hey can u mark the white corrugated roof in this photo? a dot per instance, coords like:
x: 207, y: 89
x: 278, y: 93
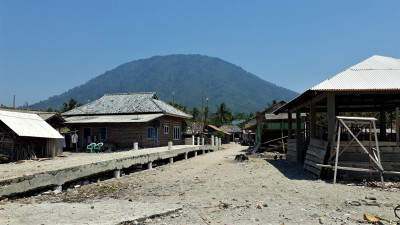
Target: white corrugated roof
x: 28, y: 125
x: 139, y: 118
x: 374, y: 73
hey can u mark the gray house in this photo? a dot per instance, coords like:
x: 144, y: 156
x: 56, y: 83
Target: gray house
x: 119, y: 120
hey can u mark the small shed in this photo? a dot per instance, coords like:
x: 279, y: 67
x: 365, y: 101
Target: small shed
x: 371, y: 87
x: 27, y: 136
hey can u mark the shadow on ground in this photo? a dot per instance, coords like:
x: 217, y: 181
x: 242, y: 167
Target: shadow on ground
x: 290, y: 169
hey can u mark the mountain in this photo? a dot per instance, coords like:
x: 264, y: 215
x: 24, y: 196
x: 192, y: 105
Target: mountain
x: 186, y: 76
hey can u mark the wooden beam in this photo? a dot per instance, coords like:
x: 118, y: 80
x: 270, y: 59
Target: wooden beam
x: 397, y: 125
x: 299, y: 139
x: 331, y: 117
x: 382, y: 127
x: 357, y: 169
x: 290, y: 125
x: 313, y: 121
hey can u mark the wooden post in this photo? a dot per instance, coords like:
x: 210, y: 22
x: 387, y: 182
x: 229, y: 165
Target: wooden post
x: 313, y: 121
x: 331, y: 117
x: 290, y: 125
x: 337, y: 151
x: 397, y: 125
x: 382, y: 127
x: 299, y: 139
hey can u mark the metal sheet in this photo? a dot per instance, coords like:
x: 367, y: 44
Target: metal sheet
x: 374, y: 73
x: 140, y: 118
x: 28, y: 125
x: 126, y: 103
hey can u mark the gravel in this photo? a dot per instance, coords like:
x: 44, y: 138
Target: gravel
x: 209, y: 189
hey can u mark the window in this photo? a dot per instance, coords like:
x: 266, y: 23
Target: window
x: 103, y: 133
x: 149, y: 133
x: 177, y: 133
x: 166, y: 129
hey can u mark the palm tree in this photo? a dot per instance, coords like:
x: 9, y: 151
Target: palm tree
x: 70, y: 105
x: 223, y: 115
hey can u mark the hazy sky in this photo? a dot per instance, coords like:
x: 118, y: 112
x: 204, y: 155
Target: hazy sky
x: 49, y: 47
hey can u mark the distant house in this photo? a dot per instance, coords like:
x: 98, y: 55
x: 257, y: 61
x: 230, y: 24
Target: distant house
x: 232, y: 129
x: 212, y: 129
x: 27, y: 136
x: 123, y: 119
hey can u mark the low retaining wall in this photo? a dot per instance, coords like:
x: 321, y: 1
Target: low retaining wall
x: 56, y: 178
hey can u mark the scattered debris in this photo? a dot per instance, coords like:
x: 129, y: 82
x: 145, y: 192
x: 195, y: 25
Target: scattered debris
x: 397, y: 209
x: 241, y: 158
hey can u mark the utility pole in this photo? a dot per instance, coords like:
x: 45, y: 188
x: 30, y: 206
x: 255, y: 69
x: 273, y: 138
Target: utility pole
x: 202, y: 112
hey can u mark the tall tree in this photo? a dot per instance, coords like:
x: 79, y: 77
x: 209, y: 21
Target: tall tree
x: 222, y: 115
x: 71, y: 104
x: 195, y: 113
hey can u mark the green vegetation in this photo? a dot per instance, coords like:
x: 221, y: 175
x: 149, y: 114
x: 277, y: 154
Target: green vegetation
x: 220, y: 134
x: 184, y: 75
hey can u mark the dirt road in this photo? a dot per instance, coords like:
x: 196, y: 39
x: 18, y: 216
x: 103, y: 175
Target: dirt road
x: 212, y: 189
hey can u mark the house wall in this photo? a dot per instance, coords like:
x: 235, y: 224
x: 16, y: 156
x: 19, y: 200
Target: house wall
x: 125, y: 134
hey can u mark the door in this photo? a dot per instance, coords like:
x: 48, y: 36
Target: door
x: 155, y: 137
x: 86, y: 133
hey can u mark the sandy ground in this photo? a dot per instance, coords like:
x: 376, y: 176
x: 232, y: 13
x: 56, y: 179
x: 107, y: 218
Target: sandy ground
x: 209, y: 189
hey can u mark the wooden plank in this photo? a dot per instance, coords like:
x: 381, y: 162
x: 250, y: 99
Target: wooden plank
x: 358, y: 169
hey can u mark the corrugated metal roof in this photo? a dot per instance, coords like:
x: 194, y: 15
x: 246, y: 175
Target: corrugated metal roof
x: 138, y: 118
x: 126, y: 103
x: 230, y: 128
x: 44, y: 115
x: 374, y: 73
x: 28, y: 125
x: 377, y: 73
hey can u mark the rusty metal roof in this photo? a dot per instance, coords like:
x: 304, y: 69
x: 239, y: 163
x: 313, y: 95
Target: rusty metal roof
x: 127, y: 103
x: 28, y: 125
x: 374, y: 73
x: 217, y: 129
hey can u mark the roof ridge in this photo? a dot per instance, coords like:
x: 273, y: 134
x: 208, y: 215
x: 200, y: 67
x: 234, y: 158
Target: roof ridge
x: 164, y: 111
x: 130, y: 93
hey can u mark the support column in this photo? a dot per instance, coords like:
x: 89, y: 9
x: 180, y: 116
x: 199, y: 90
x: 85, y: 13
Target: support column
x: 192, y: 139
x: 186, y: 155
x: 313, y: 121
x: 195, y: 153
x: 397, y: 125
x: 117, y: 173
x: 290, y: 131
x: 203, y: 152
x: 212, y: 140
x: 171, y: 160
x: 198, y: 140
x: 216, y: 141
x: 170, y: 145
x: 202, y: 141
x: 135, y: 146
x: 331, y: 116
x: 150, y: 165
x: 220, y: 144
x: 382, y: 127
x: 299, y: 139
